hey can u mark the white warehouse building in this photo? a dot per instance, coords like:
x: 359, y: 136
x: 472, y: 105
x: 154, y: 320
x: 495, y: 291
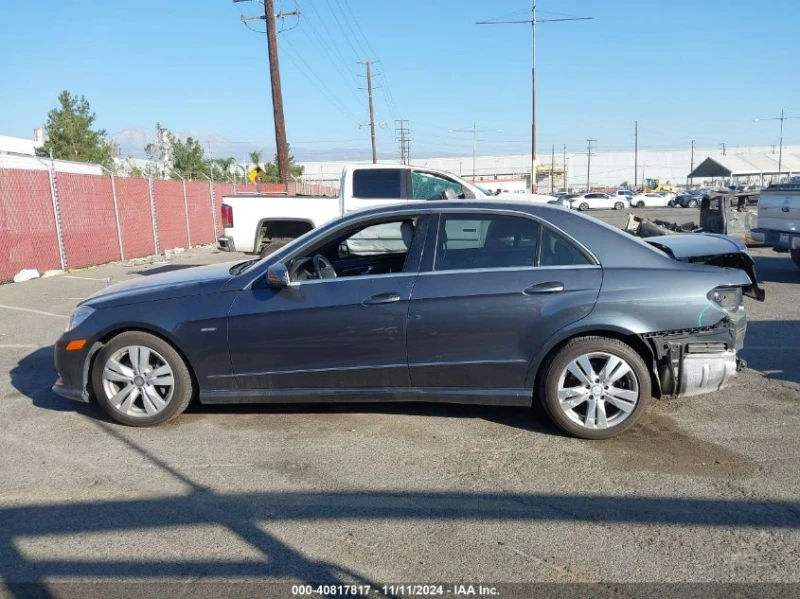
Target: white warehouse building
x: 608, y: 169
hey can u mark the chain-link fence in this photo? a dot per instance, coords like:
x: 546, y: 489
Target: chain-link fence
x: 55, y: 220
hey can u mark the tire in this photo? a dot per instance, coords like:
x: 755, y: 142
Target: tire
x: 143, y: 409
x: 554, y: 376
x: 671, y: 204
x: 619, y: 206
x: 272, y: 246
x: 640, y: 204
x: 692, y: 204
x: 795, y: 257
x: 583, y: 207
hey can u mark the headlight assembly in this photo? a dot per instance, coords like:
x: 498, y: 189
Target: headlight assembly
x: 80, y: 314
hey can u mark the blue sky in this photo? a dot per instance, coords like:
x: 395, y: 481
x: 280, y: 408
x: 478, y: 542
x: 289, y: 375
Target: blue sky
x: 686, y: 70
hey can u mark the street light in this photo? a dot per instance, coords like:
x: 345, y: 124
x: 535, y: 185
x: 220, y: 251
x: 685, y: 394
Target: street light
x: 781, y: 118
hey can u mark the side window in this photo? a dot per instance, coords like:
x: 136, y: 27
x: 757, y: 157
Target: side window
x: 426, y: 186
x: 557, y: 251
x: 470, y: 241
x: 377, y: 183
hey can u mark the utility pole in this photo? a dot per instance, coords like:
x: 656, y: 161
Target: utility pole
x: 533, y: 21
x: 691, y: 167
x: 371, y: 113
x: 552, y: 166
x: 589, y: 164
x: 401, y: 128
x: 282, y: 148
x: 564, y: 166
x: 635, y: 155
x: 723, y: 148
x: 474, y: 132
x: 781, y: 118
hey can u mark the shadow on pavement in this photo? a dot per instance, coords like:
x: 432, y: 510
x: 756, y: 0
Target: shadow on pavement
x: 777, y: 268
x: 773, y: 348
x: 162, y: 269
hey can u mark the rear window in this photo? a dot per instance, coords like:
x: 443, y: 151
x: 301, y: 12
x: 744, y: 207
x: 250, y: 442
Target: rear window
x: 377, y: 183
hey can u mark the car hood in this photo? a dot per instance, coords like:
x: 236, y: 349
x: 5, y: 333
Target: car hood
x: 176, y: 283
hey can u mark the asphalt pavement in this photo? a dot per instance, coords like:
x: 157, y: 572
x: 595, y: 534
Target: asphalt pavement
x: 704, y: 489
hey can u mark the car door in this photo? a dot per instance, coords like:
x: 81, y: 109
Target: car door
x: 332, y: 333
x: 484, y: 305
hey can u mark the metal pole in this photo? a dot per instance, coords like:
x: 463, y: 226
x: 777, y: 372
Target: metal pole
x: 211, y: 193
x: 564, y: 164
x: 589, y: 165
x: 780, y: 148
x: 474, y: 147
x: 552, y: 165
x: 152, y: 192
x: 116, y: 215
x: 691, y: 167
x: 534, y: 184
x: 186, y: 213
x: 371, y: 114
x: 277, y: 96
x: 635, y: 155
x: 62, y: 251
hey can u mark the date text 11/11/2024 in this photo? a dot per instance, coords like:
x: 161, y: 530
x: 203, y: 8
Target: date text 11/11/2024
x: 393, y: 590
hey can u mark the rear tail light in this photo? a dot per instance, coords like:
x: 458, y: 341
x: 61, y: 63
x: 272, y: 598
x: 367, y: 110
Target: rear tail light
x: 227, y: 216
x: 729, y: 298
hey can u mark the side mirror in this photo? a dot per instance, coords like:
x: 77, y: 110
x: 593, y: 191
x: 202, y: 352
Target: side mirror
x: 278, y: 276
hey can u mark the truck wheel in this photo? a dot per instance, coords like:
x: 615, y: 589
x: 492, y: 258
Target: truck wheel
x: 796, y: 257
x: 272, y: 246
x: 140, y: 380
x: 594, y: 387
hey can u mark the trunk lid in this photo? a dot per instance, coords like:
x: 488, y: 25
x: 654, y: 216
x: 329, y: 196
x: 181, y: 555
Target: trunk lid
x: 712, y: 250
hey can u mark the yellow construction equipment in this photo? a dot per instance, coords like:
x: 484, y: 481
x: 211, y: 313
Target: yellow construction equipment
x: 651, y: 185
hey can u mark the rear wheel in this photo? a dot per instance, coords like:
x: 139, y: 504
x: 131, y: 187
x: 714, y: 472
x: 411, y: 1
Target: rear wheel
x: 583, y: 207
x: 671, y: 203
x: 140, y: 380
x: 595, y: 387
x: 640, y: 204
x: 271, y: 246
x: 692, y: 204
x: 796, y: 257
x: 619, y: 206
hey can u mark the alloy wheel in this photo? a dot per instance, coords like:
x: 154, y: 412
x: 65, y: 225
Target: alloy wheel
x: 138, y: 381
x: 598, y: 390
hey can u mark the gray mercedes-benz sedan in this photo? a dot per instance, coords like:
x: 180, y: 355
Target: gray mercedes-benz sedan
x: 478, y: 302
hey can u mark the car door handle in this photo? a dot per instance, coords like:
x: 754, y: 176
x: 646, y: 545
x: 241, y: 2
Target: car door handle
x: 549, y: 287
x: 381, y: 298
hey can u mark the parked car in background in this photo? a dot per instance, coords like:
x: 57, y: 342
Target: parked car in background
x: 779, y: 218
x: 627, y: 193
x: 257, y: 223
x: 690, y: 199
x: 597, y: 201
x: 498, y: 303
x: 649, y: 200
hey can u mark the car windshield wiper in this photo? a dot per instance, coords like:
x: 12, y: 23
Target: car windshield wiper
x: 242, y: 266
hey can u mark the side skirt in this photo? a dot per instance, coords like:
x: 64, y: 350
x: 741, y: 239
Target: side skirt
x: 460, y: 395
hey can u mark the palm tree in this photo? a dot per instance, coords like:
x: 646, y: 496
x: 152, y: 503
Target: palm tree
x: 255, y: 158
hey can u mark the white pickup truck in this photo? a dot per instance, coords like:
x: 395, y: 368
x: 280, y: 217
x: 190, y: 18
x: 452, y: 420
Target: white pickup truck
x: 779, y: 218
x: 253, y: 223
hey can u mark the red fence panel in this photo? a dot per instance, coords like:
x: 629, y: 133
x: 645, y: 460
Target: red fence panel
x: 170, y: 214
x: 88, y: 223
x: 135, y: 219
x: 201, y: 222
x: 28, y: 237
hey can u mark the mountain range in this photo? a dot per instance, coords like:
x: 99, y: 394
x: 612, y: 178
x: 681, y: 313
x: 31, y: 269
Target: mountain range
x: 132, y: 142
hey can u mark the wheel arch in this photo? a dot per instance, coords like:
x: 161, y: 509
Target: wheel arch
x: 627, y: 336
x: 111, y: 333
x: 263, y: 227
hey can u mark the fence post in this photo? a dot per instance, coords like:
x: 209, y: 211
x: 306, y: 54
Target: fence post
x: 152, y: 191
x: 116, y: 215
x: 62, y: 251
x: 212, y: 195
x: 186, y: 214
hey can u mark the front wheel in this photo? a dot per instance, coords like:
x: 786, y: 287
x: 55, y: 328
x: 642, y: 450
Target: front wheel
x: 640, y: 204
x: 595, y: 387
x: 140, y: 380
x: 692, y: 204
x: 619, y: 206
x: 671, y: 203
x: 583, y: 207
x: 796, y: 257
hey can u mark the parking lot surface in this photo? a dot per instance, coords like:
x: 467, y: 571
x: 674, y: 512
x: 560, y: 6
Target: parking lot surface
x: 704, y: 489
